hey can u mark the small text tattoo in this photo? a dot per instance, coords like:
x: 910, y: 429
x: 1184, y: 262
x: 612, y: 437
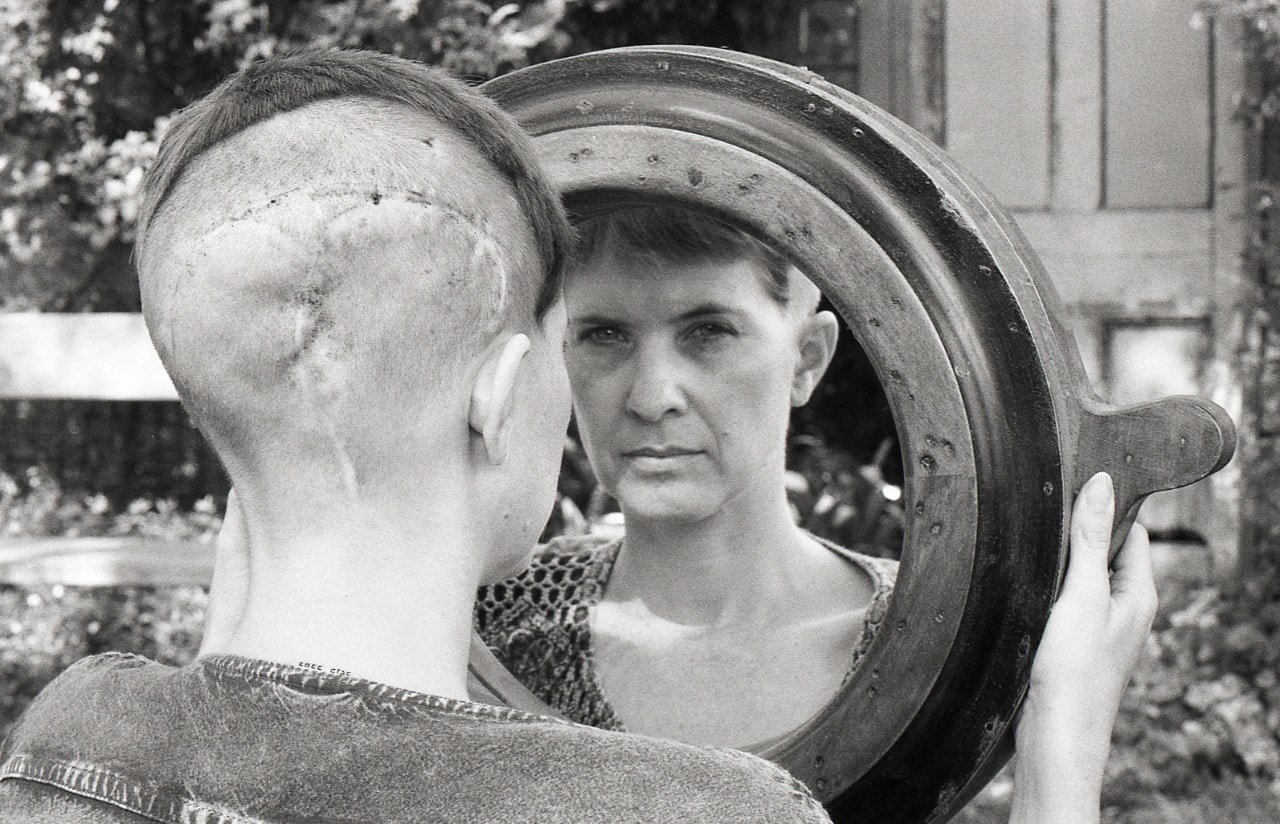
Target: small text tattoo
x: 318, y: 668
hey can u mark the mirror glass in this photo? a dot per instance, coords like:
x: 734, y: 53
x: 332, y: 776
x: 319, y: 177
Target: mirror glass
x: 730, y: 521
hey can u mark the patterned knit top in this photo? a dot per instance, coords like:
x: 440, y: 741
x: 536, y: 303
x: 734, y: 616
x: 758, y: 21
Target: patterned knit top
x: 538, y: 623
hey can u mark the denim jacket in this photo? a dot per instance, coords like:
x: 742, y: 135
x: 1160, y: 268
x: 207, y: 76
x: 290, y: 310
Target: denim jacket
x: 231, y: 740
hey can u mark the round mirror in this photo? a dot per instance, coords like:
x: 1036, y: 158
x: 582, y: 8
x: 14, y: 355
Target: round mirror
x: 997, y: 425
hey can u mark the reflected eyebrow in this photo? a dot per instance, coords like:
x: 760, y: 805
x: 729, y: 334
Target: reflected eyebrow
x: 712, y: 308
x: 702, y: 310
x: 595, y: 319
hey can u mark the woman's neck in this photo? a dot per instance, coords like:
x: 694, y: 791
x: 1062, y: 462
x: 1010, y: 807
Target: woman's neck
x: 730, y: 568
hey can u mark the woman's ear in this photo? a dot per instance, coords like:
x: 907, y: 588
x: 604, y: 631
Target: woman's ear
x: 493, y: 395
x: 818, y: 335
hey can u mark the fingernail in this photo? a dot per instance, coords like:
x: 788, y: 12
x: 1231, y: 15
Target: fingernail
x: 1098, y: 492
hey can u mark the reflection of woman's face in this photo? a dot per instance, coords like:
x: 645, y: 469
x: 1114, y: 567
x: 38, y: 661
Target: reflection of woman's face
x: 681, y: 380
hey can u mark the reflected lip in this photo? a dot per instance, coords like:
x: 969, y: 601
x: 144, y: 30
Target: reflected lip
x: 659, y: 452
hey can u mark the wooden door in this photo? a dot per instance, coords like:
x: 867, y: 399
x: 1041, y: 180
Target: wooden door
x: 1106, y: 126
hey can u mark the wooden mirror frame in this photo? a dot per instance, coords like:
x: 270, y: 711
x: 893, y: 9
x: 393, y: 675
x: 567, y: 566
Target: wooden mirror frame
x: 997, y: 421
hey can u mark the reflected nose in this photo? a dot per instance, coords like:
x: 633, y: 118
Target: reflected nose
x: 655, y: 388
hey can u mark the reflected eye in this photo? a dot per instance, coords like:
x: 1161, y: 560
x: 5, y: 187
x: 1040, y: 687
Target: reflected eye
x: 708, y: 332
x: 602, y: 335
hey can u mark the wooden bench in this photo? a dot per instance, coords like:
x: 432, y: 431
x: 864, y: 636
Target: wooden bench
x: 101, y: 356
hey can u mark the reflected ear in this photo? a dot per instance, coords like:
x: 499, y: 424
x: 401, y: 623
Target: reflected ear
x: 493, y: 395
x: 818, y: 335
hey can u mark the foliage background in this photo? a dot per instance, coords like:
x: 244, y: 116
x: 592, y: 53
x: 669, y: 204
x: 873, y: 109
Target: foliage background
x: 88, y: 87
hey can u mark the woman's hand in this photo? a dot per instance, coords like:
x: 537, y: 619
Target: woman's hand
x: 1091, y: 644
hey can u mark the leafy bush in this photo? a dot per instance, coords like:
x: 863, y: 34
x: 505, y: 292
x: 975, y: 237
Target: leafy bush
x: 45, y: 629
x: 1197, y: 739
x: 91, y: 85
x: 1204, y: 705
x: 34, y: 504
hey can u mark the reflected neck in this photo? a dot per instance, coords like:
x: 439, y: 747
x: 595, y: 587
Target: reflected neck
x: 728, y: 568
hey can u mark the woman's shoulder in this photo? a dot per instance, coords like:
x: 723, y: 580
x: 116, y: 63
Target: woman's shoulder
x: 884, y: 575
x: 882, y: 571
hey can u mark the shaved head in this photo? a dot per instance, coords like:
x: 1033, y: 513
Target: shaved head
x: 318, y: 282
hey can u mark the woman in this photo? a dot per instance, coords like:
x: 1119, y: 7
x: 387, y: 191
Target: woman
x: 715, y: 620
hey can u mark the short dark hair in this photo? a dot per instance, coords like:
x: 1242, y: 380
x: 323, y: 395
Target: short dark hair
x: 677, y: 234
x: 280, y: 84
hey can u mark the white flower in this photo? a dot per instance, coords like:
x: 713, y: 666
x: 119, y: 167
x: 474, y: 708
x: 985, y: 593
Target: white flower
x: 41, y: 96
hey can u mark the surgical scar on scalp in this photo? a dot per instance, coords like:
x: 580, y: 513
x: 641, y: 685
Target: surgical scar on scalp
x: 300, y: 238
x: 310, y: 239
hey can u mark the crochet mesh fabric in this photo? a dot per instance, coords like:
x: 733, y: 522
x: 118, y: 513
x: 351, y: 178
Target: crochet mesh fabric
x: 537, y: 623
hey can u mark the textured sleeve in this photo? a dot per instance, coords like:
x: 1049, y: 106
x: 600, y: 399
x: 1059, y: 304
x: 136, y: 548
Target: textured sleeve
x: 27, y: 802
x: 788, y: 799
